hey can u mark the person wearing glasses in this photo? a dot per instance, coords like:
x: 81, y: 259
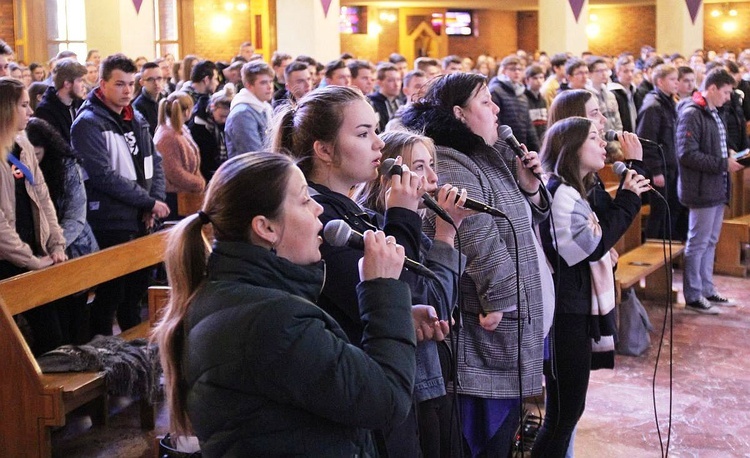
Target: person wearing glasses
x: 152, y: 86
x: 577, y: 73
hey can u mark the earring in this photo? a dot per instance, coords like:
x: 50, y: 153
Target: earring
x: 273, y: 247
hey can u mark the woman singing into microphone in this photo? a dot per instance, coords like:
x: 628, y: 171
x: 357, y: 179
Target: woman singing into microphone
x: 580, y: 250
x: 252, y: 366
x: 331, y: 131
x: 458, y: 114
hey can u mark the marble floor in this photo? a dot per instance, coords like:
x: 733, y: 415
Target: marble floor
x: 710, y: 405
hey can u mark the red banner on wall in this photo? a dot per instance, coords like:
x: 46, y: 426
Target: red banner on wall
x: 137, y: 4
x: 693, y: 7
x: 576, y: 6
x: 326, y: 5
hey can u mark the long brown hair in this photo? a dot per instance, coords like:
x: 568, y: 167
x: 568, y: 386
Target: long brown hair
x: 11, y: 91
x: 243, y: 187
x: 560, y: 148
x: 567, y: 104
x: 318, y: 116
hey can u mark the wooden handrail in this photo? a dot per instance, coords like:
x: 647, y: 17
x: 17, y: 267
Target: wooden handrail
x: 23, y: 292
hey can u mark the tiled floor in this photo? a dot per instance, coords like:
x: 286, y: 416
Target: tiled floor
x: 711, y: 406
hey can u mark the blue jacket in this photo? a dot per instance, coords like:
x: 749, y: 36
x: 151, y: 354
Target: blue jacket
x: 246, y: 126
x: 120, y: 190
x: 703, y: 180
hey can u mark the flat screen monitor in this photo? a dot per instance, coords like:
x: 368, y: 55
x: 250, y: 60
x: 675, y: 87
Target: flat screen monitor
x: 458, y: 23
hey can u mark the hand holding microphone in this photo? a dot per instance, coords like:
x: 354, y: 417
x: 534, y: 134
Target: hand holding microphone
x: 632, y: 181
x: 406, y: 186
x: 630, y: 143
x: 338, y: 233
x: 530, y: 159
x: 383, y: 258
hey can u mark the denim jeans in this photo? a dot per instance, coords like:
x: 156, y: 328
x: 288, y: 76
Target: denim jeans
x: 703, y: 233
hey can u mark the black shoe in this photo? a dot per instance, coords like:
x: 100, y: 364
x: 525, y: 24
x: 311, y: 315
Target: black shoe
x: 702, y: 306
x: 718, y: 299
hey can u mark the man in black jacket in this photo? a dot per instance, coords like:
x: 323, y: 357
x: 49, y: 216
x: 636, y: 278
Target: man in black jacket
x: 507, y: 93
x: 386, y: 101
x: 147, y: 102
x: 656, y: 122
x: 624, y: 91
x: 60, y: 103
x: 646, y: 85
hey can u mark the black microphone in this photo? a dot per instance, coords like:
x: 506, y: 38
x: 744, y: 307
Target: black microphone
x: 620, y: 168
x: 611, y: 136
x: 506, y: 133
x: 390, y: 168
x: 338, y: 233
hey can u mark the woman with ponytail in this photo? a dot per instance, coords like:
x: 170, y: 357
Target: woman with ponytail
x: 331, y: 132
x: 252, y: 366
x: 180, y: 154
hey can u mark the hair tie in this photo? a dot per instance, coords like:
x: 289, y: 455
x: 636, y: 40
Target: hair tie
x: 203, y: 217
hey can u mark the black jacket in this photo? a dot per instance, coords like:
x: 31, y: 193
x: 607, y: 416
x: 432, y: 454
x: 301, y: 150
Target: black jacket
x: 623, y: 106
x: 514, y: 112
x: 269, y: 373
x: 149, y: 109
x: 657, y: 121
x: 338, y: 297
x: 640, y: 93
x: 378, y: 102
x: 52, y: 110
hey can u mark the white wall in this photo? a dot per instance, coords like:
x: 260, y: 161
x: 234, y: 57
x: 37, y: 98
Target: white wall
x: 113, y: 26
x: 302, y: 28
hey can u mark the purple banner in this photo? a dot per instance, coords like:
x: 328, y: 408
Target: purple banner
x: 693, y: 7
x: 326, y: 5
x: 137, y: 4
x: 577, y: 6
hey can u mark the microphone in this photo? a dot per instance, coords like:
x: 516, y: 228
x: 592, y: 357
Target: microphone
x: 620, y: 168
x: 390, y: 168
x: 611, y: 136
x: 338, y: 233
x: 506, y: 133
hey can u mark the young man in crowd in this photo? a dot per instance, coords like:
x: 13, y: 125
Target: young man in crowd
x: 704, y: 184
x: 386, y: 100
x: 624, y: 91
x: 250, y: 115
x: 507, y: 92
x: 125, y: 185
x: 537, y: 104
x: 147, y: 102
x: 61, y: 102
x: 298, y: 83
x: 362, y: 76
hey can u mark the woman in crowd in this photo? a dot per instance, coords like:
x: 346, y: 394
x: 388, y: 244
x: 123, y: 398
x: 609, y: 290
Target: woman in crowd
x: 38, y: 73
x: 434, y: 406
x: 251, y: 364
x: 64, y: 177
x: 207, y: 128
x: 30, y: 237
x: 332, y: 133
x: 581, y: 254
x: 180, y: 156
x: 458, y: 114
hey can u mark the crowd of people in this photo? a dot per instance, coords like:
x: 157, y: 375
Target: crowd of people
x: 396, y: 361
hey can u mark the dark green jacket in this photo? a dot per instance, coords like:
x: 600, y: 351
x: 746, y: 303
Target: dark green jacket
x: 271, y: 374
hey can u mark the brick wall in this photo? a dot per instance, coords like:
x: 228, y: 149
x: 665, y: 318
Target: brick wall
x: 6, y: 24
x: 623, y: 28
x: 219, y: 45
x: 496, y: 35
x: 528, y: 30
x: 718, y: 39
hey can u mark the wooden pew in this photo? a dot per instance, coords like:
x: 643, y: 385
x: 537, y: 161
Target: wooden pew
x: 31, y: 403
x: 735, y: 233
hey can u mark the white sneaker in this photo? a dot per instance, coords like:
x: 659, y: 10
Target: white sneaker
x: 702, y: 306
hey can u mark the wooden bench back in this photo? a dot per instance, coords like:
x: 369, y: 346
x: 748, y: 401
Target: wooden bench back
x: 27, y: 407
